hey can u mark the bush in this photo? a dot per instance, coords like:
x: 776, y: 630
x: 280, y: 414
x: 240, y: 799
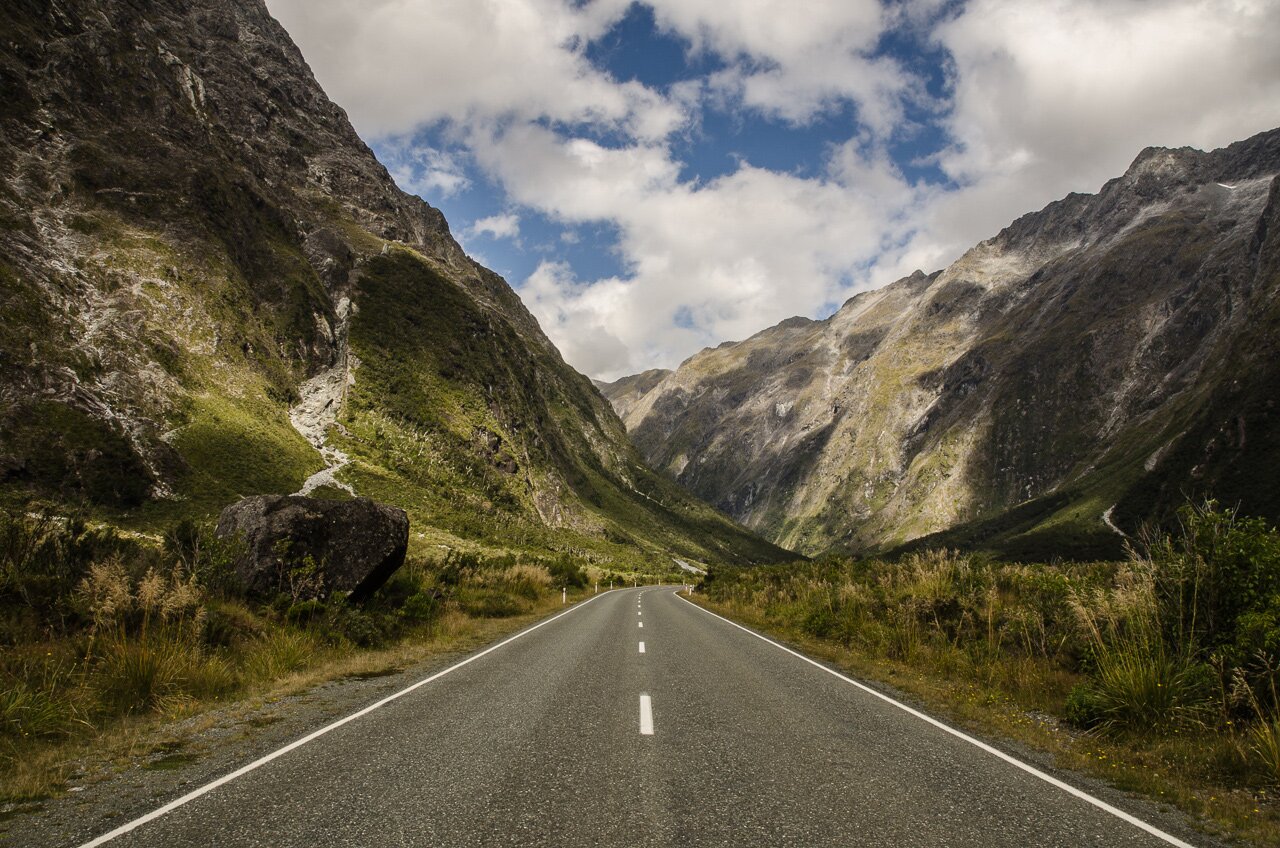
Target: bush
x: 305, y: 611
x: 229, y: 623
x: 209, y: 559
x: 420, y: 607
x: 566, y: 572
x: 43, y: 559
x: 488, y: 603
x: 1083, y: 707
x: 1218, y: 582
x: 356, y: 626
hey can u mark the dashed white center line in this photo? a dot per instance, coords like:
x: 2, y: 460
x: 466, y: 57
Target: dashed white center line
x: 640, y: 624
x: 646, y: 716
x: 642, y: 647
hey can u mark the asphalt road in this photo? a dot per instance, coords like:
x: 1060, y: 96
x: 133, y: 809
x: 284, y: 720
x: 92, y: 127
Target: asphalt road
x: 541, y: 741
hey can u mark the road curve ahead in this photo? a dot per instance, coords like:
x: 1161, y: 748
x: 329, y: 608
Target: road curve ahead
x: 638, y: 719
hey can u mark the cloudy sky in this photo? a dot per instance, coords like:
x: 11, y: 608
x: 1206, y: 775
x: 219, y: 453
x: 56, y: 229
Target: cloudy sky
x: 655, y: 177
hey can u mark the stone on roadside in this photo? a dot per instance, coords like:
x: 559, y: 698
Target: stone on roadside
x: 309, y: 548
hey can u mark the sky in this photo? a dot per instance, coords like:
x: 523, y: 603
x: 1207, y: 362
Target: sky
x: 657, y: 177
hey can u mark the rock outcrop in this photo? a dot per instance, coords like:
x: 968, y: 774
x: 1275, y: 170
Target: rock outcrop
x: 310, y: 547
x: 1106, y: 356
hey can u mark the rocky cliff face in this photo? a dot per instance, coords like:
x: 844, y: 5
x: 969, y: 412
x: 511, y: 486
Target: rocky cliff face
x: 211, y: 288
x: 1090, y: 365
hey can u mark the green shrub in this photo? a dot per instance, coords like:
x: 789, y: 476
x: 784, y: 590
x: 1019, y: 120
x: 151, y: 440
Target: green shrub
x: 229, y: 623
x: 1218, y: 582
x: 305, y: 611
x: 44, y: 557
x: 359, y: 627
x: 420, y: 607
x: 820, y: 622
x: 567, y: 572
x: 199, y: 552
x: 1083, y: 707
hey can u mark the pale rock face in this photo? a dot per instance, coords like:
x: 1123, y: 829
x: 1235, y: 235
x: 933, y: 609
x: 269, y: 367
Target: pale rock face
x: 1084, y: 354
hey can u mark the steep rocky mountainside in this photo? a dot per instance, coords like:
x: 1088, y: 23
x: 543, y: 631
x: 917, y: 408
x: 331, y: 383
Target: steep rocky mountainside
x: 1077, y: 375
x: 626, y: 392
x: 211, y: 288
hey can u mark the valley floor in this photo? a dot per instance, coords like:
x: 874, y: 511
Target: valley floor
x: 635, y: 718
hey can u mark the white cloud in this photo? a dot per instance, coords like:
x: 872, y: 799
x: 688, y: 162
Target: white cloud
x: 724, y: 254
x: 498, y: 226
x: 426, y: 170
x: 396, y: 65
x: 578, y: 318
x: 795, y: 63
x: 1053, y: 97
x: 1044, y: 97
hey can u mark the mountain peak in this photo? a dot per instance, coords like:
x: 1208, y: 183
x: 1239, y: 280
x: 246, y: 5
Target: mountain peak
x: 1107, y: 353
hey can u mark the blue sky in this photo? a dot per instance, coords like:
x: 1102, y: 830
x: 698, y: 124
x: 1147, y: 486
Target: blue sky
x: 655, y: 177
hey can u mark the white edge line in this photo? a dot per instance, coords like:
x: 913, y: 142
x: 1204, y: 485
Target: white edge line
x: 1029, y: 769
x: 298, y: 743
x: 646, y: 715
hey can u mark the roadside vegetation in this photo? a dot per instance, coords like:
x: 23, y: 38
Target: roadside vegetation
x: 1160, y: 673
x: 103, y: 636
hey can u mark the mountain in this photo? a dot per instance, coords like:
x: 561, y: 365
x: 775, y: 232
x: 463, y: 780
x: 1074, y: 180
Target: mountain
x: 626, y: 392
x: 1077, y: 375
x: 211, y: 289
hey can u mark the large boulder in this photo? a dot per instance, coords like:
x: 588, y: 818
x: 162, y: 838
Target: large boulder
x: 309, y: 547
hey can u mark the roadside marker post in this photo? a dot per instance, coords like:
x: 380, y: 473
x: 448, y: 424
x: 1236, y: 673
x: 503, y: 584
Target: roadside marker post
x: 564, y: 595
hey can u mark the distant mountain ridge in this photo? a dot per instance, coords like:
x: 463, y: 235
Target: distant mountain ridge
x: 1091, y: 365
x: 211, y: 288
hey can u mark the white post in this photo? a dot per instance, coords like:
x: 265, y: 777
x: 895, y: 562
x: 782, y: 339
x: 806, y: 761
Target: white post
x: 597, y: 590
x: 564, y: 594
